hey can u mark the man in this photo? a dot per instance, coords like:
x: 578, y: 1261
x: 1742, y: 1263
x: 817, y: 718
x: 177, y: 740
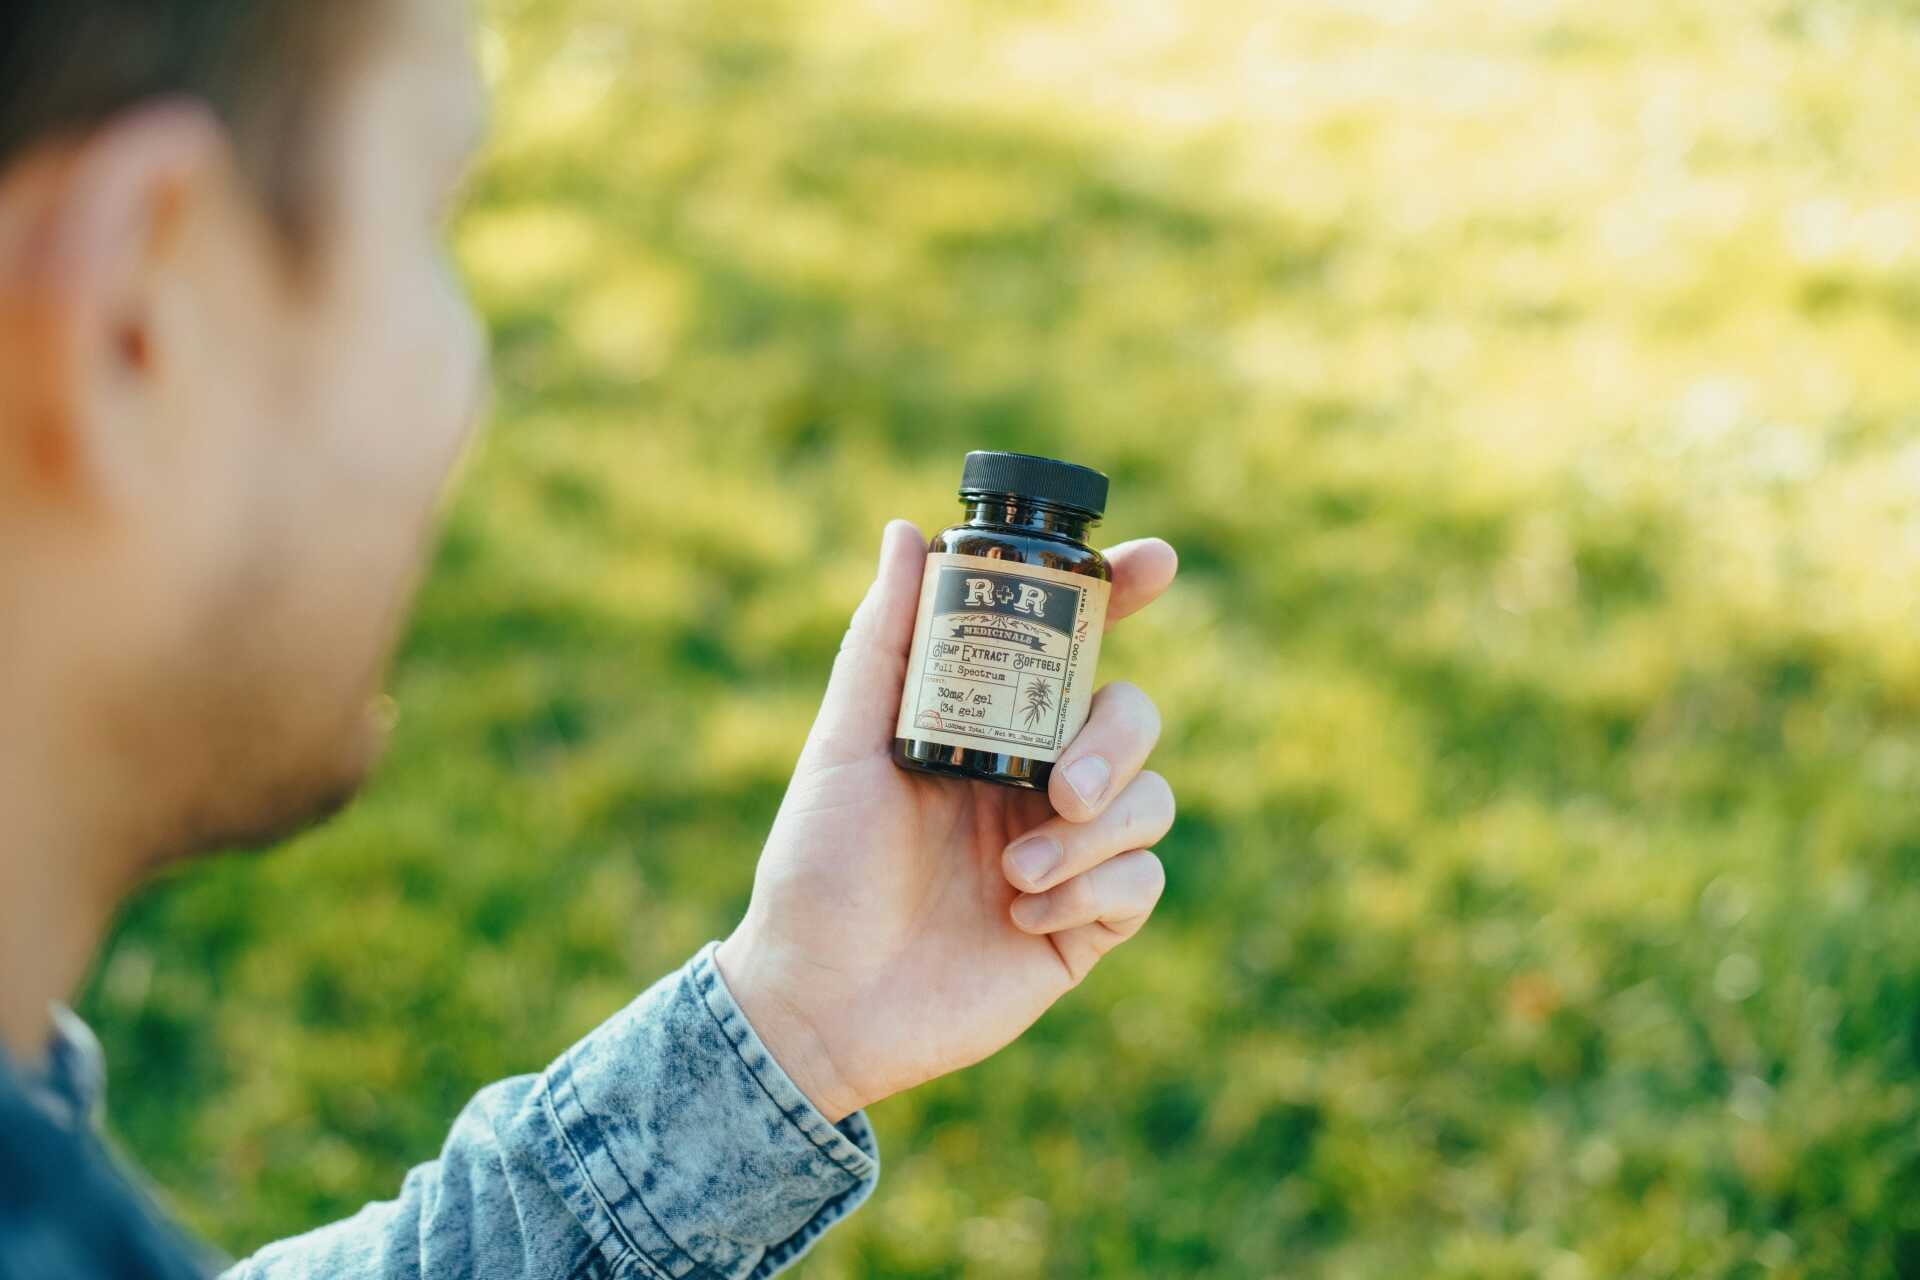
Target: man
x: 234, y: 372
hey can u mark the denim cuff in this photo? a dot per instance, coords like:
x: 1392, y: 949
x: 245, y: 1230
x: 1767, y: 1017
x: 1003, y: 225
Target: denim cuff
x: 686, y: 1147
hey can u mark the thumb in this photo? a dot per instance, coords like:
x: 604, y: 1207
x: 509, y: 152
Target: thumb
x: 863, y: 696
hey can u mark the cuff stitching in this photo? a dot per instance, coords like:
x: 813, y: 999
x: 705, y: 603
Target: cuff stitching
x: 858, y: 1164
x: 800, y: 1241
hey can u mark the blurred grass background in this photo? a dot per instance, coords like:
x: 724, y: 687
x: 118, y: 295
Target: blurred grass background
x: 1530, y: 389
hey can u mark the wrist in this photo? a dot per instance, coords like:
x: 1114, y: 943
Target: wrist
x: 789, y: 1034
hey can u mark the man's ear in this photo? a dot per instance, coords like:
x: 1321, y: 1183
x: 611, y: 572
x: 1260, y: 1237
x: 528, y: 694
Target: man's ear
x: 86, y: 226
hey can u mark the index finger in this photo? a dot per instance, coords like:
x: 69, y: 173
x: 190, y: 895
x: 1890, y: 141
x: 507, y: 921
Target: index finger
x: 1142, y: 569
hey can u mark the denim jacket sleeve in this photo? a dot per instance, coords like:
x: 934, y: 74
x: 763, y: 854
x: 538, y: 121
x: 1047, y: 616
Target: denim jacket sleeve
x: 667, y: 1144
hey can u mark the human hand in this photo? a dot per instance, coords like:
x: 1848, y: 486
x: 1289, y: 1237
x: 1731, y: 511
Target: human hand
x: 904, y: 925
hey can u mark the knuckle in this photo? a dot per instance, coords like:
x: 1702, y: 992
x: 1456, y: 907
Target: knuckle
x: 1136, y: 711
x: 1140, y: 880
x: 1150, y: 723
x: 1153, y: 876
x: 1077, y: 899
x: 1157, y: 801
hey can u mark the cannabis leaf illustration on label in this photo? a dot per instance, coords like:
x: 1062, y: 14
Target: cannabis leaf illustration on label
x: 1039, y: 702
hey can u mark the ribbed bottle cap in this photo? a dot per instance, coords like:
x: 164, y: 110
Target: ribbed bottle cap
x: 1044, y: 479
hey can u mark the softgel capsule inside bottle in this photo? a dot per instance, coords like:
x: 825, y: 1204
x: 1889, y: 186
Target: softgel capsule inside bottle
x: 1012, y: 608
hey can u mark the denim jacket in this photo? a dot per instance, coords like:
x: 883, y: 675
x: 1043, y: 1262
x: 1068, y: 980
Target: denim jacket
x: 666, y: 1145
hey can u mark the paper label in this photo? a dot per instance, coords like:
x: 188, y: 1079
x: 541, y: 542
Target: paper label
x: 1003, y: 656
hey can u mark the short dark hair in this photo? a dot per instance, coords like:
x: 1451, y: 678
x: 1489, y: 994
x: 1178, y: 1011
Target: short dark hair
x: 261, y: 65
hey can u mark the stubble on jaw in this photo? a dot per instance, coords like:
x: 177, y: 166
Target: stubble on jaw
x: 253, y: 727
x: 275, y: 810
x: 251, y: 806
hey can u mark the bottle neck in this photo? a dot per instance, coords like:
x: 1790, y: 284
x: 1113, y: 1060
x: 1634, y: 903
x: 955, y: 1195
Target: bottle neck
x: 1029, y: 515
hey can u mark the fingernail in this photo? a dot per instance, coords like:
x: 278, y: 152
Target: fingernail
x: 1033, y: 857
x: 1029, y: 912
x: 1088, y: 778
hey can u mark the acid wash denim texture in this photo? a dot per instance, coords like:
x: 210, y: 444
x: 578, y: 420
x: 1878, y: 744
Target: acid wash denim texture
x: 666, y: 1145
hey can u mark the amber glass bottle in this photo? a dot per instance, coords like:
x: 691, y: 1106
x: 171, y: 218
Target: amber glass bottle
x: 1011, y: 613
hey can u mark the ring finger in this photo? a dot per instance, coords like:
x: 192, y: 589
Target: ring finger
x: 1059, y: 849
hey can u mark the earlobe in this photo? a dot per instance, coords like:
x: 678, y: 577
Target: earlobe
x: 83, y: 224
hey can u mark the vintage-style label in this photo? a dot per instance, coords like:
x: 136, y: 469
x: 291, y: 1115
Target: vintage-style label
x: 1003, y: 656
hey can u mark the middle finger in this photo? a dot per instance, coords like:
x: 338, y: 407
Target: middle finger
x: 1121, y: 729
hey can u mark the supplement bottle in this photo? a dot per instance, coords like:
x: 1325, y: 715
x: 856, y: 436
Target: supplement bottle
x: 1008, y: 634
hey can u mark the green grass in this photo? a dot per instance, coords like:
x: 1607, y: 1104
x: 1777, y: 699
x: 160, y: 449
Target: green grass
x: 1531, y: 391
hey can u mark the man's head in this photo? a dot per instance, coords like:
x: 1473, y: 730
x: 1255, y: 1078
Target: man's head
x: 234, y: 372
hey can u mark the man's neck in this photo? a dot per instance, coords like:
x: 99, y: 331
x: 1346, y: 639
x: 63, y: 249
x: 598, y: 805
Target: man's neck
x: 49, y: 930
x: 61, y: 879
